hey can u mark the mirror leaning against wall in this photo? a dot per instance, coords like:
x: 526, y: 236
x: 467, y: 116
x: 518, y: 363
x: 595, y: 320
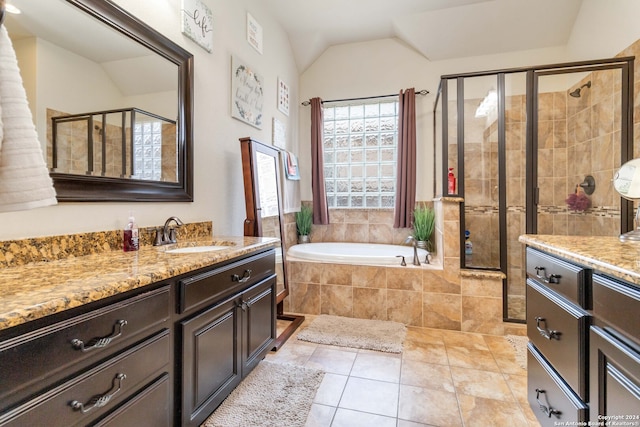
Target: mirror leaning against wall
x: 265, y: 216
x: 111, y: 99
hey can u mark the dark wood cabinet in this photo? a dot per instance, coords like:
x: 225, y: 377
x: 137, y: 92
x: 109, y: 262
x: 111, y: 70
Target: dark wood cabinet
x: 584, y: 350
x: 614, y: 342
x: 166, y: 354
x: 222, y: 343
x: 89, y: 366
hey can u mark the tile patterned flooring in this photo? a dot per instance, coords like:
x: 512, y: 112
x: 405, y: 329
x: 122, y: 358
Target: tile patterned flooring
x: 443, y: 378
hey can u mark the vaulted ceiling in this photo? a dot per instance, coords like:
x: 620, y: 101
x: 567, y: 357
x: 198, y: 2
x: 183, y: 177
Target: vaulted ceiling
x: 438, y: 29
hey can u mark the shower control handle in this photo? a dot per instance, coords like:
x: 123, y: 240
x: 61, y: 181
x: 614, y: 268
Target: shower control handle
x: 552, y: 279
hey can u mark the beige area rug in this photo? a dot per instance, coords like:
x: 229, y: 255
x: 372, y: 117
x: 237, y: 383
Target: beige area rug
x: 519, y: 343
x: 272, y: 394
x: 379, y: 335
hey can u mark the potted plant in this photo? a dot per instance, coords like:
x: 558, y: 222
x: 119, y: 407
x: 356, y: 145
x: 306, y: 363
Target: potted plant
x: 423, y: 224
x: 304, y: 219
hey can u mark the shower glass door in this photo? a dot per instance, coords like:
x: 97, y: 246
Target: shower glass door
x: 580, y: 144
x: 534, y: 150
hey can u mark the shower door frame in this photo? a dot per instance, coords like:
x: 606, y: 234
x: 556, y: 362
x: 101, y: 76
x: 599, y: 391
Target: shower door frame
x: 626, y: 67
x: 531, y: 177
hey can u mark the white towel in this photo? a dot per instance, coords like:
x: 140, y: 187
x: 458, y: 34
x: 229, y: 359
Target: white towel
x: 24, y: 179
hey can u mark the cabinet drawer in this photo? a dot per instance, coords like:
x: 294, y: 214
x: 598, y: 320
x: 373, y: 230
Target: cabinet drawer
x: 95, y: 392
x: 559, y: 328
x: 77, y: 342
x: 206, y: 288
x: 553, y: 402
x: 565, y: 278
x: 615, y: 378
x: 617, y: 304
x: 149, y: 408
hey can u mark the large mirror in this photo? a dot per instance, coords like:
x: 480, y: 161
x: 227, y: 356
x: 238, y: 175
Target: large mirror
x: 265, y: 216
x: 111, y: 99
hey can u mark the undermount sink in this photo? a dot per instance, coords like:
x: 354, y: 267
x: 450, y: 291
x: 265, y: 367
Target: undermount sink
x: 195, y: 249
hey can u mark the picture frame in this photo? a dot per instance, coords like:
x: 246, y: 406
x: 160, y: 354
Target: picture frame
x: 247, y: 93
x: 197, y: 23
x: 283, y: 97
x: 254, y: 33
x: 279, y: 136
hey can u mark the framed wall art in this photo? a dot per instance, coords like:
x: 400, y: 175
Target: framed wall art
x: 197, y: 23
x: 283, y: 96
x: 254, y: 33
x: 279, y: 134
x: 247, y: 93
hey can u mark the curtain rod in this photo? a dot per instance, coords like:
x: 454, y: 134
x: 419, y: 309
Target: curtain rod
x: 422, y: 92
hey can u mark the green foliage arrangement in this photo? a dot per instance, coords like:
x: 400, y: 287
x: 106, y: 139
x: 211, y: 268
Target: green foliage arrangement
x: 304, y: 219
x: 424, y: 219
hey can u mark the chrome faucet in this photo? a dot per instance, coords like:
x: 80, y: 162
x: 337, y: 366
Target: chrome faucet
x: 166, y: 235
x: 413, y: 240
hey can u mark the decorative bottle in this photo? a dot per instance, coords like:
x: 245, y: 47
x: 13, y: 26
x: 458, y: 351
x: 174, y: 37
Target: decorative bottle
x: 452, y: 182
x: 130, y: 236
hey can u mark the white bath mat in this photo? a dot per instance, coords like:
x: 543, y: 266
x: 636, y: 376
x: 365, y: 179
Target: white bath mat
x: 519, y: 343
x: 271, y: 395
x: 379, y: 335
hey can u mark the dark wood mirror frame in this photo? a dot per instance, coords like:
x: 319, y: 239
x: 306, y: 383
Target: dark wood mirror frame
x: 253, y: 223
x: 85, y: 188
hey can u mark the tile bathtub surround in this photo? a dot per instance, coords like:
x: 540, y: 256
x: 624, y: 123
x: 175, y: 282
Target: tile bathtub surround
x: 20, y: 252
x: 412, y: 295
x: 355, y: 225
x: 442, y: 378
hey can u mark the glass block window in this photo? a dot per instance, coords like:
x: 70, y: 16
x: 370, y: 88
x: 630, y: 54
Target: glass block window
x: 147, y: 150
x: 360, y: 154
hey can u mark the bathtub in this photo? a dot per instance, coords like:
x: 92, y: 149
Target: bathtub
x: 354, y: 253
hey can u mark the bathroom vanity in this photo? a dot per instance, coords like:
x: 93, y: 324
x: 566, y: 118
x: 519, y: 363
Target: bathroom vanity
x: 133, y: 339
x: 583, y: 324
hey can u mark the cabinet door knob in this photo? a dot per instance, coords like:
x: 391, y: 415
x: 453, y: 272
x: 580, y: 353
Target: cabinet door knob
x: 547, y: 409
x: 99, y: 400
x: 548, y: 334
x: 99, y: 342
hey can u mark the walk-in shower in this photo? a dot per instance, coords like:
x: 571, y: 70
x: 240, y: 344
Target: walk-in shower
x: 521, y: 142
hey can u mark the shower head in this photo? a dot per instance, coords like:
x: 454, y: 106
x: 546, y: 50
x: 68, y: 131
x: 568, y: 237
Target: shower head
x: 576, y: 93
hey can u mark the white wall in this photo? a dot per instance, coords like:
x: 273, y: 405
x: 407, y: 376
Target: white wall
x: 602, y: 30
x: 219, y: 193
x: 384, y: 67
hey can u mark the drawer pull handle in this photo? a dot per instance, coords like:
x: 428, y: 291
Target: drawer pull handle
x: 245, y: 277
x: 552, y: 279
x: 544, y: 331
x: 100, y: 342
x: 100, y: 400
x: 547, y: 409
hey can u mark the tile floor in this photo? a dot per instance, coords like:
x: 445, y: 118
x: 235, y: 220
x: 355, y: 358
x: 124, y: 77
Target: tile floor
x: 443, y: 378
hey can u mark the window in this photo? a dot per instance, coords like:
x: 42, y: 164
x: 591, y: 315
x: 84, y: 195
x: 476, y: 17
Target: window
x: 360, y: 146
x: 147, y: 147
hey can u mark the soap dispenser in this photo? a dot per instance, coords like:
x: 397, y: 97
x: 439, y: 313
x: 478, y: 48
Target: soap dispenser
x: 130, y: 235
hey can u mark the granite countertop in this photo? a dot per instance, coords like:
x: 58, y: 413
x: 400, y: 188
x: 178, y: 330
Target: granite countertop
x: 607, y: 255
x: 39, y: 289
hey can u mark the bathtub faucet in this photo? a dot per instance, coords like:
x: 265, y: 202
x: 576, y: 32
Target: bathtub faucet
x: 413, y: 240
